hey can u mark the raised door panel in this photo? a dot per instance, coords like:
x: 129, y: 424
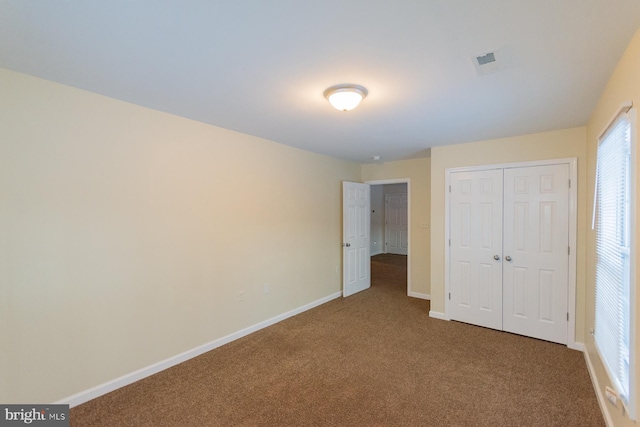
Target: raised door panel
x: 356, y: 230
x: 536, y: 241
x: 476, y: 238
x: 396, y: 224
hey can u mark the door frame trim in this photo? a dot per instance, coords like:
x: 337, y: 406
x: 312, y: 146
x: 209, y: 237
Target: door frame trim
x: 572, y: 162
x: 408, y: 182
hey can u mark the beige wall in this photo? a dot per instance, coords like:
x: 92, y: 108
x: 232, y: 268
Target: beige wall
x: 623, y: 86
x: 418, y: 171
x: 541, y: 146
x: 126, y: 235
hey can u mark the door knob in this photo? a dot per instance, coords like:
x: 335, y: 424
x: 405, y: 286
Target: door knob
x: 508, y: 258
x: 346, y: 245
x: 496, y: 257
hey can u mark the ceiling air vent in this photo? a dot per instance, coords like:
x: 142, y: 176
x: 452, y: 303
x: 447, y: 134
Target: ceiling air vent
x: 485, y: 59
x: 487, y: 62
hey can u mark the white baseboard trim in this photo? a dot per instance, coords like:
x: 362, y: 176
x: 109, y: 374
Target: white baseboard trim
x: 437, y: 315
x: 576, y: 346
x: 109, y: 386
x: 419, y: 295
x: 377, y: 253
x: 604, y: 408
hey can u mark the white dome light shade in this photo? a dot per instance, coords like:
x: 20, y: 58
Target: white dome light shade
x: 345, y: 97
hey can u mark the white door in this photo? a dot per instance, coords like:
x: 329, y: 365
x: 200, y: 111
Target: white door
x: 476, y: 242
x: 356, y: 214
x: 396, y: 225
x: 536, y: 257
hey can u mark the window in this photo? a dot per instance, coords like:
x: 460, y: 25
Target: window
x: 613, y: 250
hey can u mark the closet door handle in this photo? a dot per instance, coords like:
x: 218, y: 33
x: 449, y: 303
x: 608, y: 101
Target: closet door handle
x: 496, y: 257
x: 507, y: 258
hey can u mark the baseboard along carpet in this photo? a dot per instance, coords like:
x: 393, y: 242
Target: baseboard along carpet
x: 373, y: 359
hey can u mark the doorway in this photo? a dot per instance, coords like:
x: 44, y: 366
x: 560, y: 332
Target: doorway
x: 390, y: 223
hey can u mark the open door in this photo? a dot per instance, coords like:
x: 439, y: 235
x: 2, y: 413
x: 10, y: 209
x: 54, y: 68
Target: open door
x: 356, y: 214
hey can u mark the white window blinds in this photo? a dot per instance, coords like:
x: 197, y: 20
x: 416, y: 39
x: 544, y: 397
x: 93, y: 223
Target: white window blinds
x: 612, y: 252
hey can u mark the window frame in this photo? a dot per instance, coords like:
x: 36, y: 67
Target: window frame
x: 628, y: 251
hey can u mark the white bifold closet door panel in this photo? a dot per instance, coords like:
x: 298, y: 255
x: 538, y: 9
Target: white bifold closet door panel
x: 476, y: 239
x: 509, y: 260
x: 536, y: 258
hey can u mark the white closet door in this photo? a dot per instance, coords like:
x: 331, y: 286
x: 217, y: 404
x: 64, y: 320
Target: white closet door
x: 476, y: 239
x: 396, y: 225
x: 536, y: 259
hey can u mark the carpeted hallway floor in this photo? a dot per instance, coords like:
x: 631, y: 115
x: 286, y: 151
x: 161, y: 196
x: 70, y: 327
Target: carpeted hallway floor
x: 373, y: 359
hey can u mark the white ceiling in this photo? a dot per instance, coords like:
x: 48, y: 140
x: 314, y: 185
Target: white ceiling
x: 260, y: 67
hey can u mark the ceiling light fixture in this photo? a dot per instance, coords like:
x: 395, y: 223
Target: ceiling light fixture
x: 345, y: 97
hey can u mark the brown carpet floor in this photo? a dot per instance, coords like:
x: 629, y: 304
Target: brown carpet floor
x: 373, y: 359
